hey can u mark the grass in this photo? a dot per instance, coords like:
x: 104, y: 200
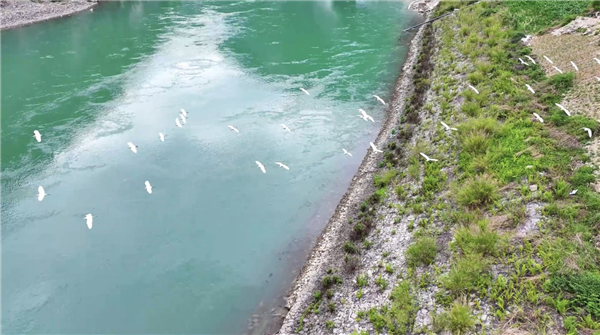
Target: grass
x: 478, y: 191
x: 421, y: 252
x: 399, y: 317
x: 362, y: 280
x: 525, y: 15
x: 467, y: 274
x: 381, y: 283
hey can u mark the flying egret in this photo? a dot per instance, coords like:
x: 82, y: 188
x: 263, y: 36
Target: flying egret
x: 597, y: 60
x: 379, y: 99
x: 523, y: 62
x: 285, y: 128
x: 261, y: 167
x: 575, y: 66
x: 346, y: 152
x: 132, y: 147
x: 305, y: 91
x: 374, y: 147
x: 530, y: 89
x: 549, y: 60
x: 473, y: 88
x: 598, y: 78
x: 557, y: 69
x: 573, y: 192
x: 37, y: 135
x: 589, y: 131
x: 531, y: 59
x: 41, y: 193
x: 446, y: 126
x: 161, y: 136
x: 365, y: 115
x: 537, y: 116
x: 89, y: 219
x: 177, y: 123
x: 282, y: 165
x: 148, y: 187
x: 427, y: 158
x: 183, y: 119
x: 563, y: 109
x: 233, y: 128
x: 91, y: 9
x: 183, y: 112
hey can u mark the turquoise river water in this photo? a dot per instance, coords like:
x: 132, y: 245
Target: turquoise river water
x: 217, y: 240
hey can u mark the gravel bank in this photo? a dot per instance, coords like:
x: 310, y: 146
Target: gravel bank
x: 19, y: 13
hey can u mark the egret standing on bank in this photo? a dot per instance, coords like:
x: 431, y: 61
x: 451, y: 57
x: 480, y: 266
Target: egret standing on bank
x: 132, y: 147
x: 537, y: 116
x: 261, y: 167
x: 37, y: 135
x: 374, y: 147
x: 379, y: 99
x: 589, y: 131
x: 282, y: 165
x: 41, y: 193
x: 575, y: 66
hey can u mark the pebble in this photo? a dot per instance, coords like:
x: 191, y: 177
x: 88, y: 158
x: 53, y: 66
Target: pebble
x: 533, y: 188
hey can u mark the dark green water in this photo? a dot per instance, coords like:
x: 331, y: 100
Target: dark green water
x: 217, y: 238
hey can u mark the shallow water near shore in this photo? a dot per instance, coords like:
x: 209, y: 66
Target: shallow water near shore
x: 217, y: 237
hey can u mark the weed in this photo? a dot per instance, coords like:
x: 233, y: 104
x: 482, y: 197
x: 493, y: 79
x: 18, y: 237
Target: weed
x: 477, y: 191
x: 381, y: 283
x: 350, y: 248
x: 423, y: 251
x: 330, y: 325
x: 460, y: 319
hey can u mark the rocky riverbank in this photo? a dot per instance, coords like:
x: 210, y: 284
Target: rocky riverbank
x: 19, y: 13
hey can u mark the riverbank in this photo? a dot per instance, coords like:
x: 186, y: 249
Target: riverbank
x: 20, y: 13
x: 499, y: 233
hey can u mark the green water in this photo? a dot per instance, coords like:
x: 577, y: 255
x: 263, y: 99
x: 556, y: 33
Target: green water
x: 217, y: 238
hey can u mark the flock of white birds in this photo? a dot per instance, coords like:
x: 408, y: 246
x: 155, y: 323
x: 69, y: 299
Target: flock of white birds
x: 182, y: 120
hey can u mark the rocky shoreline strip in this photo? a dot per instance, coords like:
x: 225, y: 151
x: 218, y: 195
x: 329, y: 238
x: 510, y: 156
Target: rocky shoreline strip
x: 328, y: 250
x: 16, y: 13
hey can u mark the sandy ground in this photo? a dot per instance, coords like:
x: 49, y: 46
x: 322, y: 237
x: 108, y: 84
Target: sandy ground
x: 16, y: 13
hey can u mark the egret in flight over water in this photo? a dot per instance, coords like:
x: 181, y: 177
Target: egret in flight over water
x: 41, y: 193
x: 531, y: 59
x: 183, y: 112
x: 177, y: 123
x: 161, y: 136
x: 37, y: 135
x: 132, y: 147
x: 89, y: 219
x: 148, y: 187
x: 549, y: 60
x: 427, y: 158
x: 282, y: 165
x: 285, y: 128
x: 365, y: 116
x: 183, y: 119
x: 557, y: 69
x: 374, y: 147
x: 563, y: 109
x: 537, y: 116
x: 234, y: 129
x: 474, y: 89
x: 379, y: 99
x: 447, y: 127
x: 589, y: 131
x: 575, y: 66
x: 305, y: 91
x: 261, y: 167
x: 346, y: 152
x: 530, y: 89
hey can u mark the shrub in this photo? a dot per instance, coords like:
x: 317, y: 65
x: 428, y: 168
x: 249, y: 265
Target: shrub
x: 423, y: 251
x: 330, y: 324
x: 561, y: 189
x: 477, y: 238
x: 460, y: 319
x: 382, y: 180
x: 359, y: 230
x: 381, y: 283
x: 475, y: 142
x: 362, y: 280
x: 350, y: 248
x: 466, y: 274
x: 329, y: 281
x: 476, y: 77
x: 479, y: 190
x: 317, y: 295
x: 471, y: 108
x: 351, y: 262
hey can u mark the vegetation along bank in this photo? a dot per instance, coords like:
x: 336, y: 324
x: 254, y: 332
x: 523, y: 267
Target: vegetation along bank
x: 500, y: 235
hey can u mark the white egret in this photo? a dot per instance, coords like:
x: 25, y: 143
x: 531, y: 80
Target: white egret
x: 177, y: 123
x: 530, y: 89
x: 557, y: 69
x: 549, y: 60
x: 379, y: 99
x: 261, y: 167
x: 41, y: 193
x: 598, y: 78
x: 183, y: 118
x: 161, y: 136
x: 374, y: 147
x: 573, y: 192
x: 531, y: 59
x: 148, y: 187
x: 365, y: 116
x: 183, y: 112
x: 282, y: 165
x: 285, y: 128
x: 537, y: 116
x: 447, y: 127
x: 427, y: 158
x: 473, y: 88
x: 37, y: 135
x: 305, y: 91
x: 597, y: 60
x: 132, y: 147
x: 89, y: 219
x: 589, y: 131
x: 91, y: 9
x: 346, y: 152
x: 575, y: 66
x: 563, y: 109
x: 233, y: 128
x: 523, y: 62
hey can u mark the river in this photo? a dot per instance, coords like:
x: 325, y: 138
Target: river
x: 217, y: 238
